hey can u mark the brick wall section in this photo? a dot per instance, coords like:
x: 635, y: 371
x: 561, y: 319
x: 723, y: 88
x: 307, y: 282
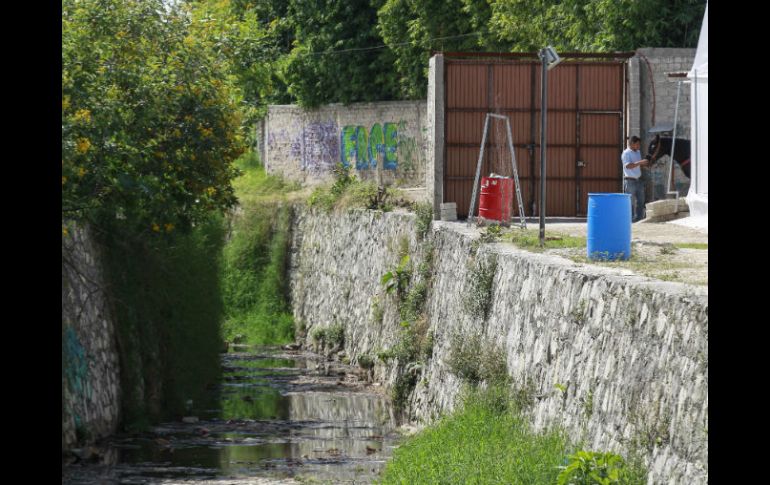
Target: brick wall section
x: 305, y: 145
x: 660, y: 61
x: 90, y: 373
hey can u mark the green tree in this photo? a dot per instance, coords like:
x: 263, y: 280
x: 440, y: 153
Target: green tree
x: 358, y: 70
x: 596, y: 25
x: 150, y: 120
x: 414, y: 28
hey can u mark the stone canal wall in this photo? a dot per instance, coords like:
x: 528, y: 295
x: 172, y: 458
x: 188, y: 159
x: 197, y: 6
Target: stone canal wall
x: 90, y: 374
x: 619, y: 361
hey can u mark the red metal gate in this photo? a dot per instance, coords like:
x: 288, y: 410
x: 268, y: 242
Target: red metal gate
x: 586, y: 102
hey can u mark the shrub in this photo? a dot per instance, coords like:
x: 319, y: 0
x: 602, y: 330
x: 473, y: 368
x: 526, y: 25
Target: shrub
x: 594, y: 468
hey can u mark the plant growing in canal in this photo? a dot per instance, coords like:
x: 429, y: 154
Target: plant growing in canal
x: 366, y: 362
x: 591, y: 467
x: 331, y: 337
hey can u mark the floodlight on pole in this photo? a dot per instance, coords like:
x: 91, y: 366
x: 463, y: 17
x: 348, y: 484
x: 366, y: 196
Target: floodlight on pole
x: 550, y: 59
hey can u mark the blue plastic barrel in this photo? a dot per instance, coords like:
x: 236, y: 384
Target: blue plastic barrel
x: 609, y: 226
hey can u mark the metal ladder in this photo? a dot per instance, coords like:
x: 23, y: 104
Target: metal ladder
x: 513, y: 165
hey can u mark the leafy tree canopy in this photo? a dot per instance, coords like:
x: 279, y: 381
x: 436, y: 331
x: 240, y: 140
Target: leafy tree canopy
x: 150, y: 120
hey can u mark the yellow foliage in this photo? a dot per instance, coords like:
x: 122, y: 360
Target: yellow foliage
x: 83, y: 144
x: 169, y: 227
x: 83, y: 115
x: 155, y: 227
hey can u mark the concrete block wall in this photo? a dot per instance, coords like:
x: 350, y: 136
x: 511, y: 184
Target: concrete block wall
x: 90, y: 366
x: 642, y: 97
x: 630, y: 354
x: 384, y: 141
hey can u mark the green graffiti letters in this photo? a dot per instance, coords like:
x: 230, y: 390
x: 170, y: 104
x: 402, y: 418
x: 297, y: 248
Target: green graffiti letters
x: 365, y: 149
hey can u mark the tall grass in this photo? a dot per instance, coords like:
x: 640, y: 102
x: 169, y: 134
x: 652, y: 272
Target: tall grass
x: 254, y: 271
x: 483, y: 442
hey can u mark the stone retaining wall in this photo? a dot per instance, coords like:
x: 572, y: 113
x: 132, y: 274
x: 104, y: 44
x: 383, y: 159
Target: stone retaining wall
x: 619, y: 361
x: 90, y: 373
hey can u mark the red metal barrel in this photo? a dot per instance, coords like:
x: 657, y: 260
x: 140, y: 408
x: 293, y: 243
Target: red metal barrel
x: 496, y: 198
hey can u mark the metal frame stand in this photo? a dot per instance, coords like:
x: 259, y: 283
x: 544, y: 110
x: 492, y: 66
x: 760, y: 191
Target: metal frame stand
x: 513, y: 166
x: 673, y: 144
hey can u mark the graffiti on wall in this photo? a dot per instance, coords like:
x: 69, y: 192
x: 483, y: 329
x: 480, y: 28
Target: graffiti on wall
x: 76, y: 369
x: 364, y: 148
x: 316, y: 146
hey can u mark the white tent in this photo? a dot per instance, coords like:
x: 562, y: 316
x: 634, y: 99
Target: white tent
x: 697, y: 198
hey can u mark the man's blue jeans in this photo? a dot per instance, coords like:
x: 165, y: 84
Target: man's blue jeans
x: 635, y: 187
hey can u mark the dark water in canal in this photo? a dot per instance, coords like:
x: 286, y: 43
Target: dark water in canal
x: 277, y: 416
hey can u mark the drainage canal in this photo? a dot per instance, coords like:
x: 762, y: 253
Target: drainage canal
x: 277, y: 416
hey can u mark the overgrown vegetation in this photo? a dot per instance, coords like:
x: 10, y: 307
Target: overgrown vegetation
x: 150, y: 119
x: 329, y: 338
x: 486, y: 441
x: 596, y: 468
x: 254, y: 272
x: 347, y: 191
x: 168, y: 307
x: 414, y: 345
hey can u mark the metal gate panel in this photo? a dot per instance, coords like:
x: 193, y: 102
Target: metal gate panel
x: 585, y: 113
x: 601, y: 87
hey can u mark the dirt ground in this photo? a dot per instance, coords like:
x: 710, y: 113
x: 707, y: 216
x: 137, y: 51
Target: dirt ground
x: 654, y: 251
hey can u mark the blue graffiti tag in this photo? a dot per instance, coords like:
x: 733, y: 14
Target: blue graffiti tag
x: 364, y: 149
x: 76, y: 364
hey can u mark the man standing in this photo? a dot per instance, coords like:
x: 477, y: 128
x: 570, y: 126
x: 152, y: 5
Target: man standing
x: 632, y: 182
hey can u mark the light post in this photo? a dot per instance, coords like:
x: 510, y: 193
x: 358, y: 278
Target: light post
x: 550, y: 59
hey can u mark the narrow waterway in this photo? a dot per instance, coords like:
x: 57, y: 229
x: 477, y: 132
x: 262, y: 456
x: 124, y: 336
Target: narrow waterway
x: 278, y: 417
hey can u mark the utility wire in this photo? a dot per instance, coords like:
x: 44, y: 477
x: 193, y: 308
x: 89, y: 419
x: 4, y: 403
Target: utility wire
x: 392, y: 45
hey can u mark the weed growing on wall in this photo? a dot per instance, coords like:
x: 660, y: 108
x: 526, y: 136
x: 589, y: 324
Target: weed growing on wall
x: 475, y: 361
x: 478, y: 299
x: 424, y: 211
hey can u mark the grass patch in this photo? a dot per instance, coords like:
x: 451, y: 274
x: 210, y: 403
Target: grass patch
x: 254, y: 271
x: 692, y: 245
x: 485, y: 442
x: 489, y: 441
x: 530, y: 239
